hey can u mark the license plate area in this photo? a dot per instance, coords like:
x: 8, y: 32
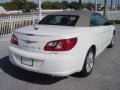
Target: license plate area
x: 27, y: 61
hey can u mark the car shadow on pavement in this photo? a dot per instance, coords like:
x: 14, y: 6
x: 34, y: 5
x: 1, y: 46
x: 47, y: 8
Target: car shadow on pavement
x: 27, y: 76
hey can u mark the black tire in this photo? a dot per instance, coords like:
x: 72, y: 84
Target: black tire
x: 85, y: 71
x: 112, y: 43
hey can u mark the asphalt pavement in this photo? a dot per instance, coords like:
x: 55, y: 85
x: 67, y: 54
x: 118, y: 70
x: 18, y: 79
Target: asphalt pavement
x: 105, y: 75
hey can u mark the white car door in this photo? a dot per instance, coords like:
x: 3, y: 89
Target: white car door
x: 106, y: 27
x: 102, y: 31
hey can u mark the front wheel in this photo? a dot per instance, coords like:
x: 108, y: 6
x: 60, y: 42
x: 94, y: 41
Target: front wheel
x: 89, y: 62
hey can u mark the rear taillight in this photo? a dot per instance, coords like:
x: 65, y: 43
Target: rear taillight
x: 14, y: 40
x: 61, y: 45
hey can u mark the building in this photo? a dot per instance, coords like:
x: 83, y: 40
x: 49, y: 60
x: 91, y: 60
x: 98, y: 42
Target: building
x: 3, y: 11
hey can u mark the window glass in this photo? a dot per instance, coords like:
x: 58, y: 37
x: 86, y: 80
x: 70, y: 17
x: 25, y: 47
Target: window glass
x: 100, y: 20
x: 93, y: 20
x: 65, y: 20
x: 97, y: 20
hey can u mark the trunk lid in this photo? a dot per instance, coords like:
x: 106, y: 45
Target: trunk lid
x: 33, y: 40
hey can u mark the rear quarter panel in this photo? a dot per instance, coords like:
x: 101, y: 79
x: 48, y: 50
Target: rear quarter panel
x: 93, y: 36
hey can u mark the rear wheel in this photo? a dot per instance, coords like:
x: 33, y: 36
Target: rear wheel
x: 112, y: 43
x: 89, y: 62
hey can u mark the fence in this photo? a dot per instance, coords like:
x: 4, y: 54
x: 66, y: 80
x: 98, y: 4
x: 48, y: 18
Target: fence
x: 112, y: 15
x: 8, y: 23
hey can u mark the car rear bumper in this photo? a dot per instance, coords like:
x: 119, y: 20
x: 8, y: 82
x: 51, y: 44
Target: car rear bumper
x: 52, y: 64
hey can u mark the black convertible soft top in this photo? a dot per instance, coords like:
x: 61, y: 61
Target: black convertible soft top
x: 84, y: 17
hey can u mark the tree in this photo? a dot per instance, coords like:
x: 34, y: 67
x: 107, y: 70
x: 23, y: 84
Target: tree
x: 8, y: 6
x: 23, y: 5
x: 74, y: 5
x: 80, y: 4
x: 46, y: 5
x: 89, y: 6
x: 57, y: 5
x: 18, y: 3
x: 111, y: 5
x: 65, y: 4
x: 105, y: 4
x: 32, y: 5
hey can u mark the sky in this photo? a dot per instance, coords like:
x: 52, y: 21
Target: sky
x: 100, y: 1
x: 2, y: 1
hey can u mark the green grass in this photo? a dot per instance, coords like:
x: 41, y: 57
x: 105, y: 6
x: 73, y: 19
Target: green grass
x: 116, y: 21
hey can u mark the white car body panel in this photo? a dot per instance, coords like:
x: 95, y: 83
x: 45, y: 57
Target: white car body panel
x: 58, y: 63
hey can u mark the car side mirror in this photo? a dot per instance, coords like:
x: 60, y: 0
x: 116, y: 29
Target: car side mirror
x: 110, y: 22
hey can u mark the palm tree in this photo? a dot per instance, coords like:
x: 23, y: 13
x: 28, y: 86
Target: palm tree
x: 111, y: 5
x: 80, y: 3
x: 118, y: 4
x: 105, y: 4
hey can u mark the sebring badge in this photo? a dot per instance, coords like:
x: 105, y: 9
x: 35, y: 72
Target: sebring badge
x: 29, y: 42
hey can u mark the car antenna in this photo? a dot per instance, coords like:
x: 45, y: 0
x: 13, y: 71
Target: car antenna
x: 35, y: 27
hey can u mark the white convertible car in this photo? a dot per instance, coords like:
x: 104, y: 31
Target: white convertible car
x: 62, y: 43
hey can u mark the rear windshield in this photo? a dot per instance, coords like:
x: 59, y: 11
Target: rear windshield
x: 64, y: 20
